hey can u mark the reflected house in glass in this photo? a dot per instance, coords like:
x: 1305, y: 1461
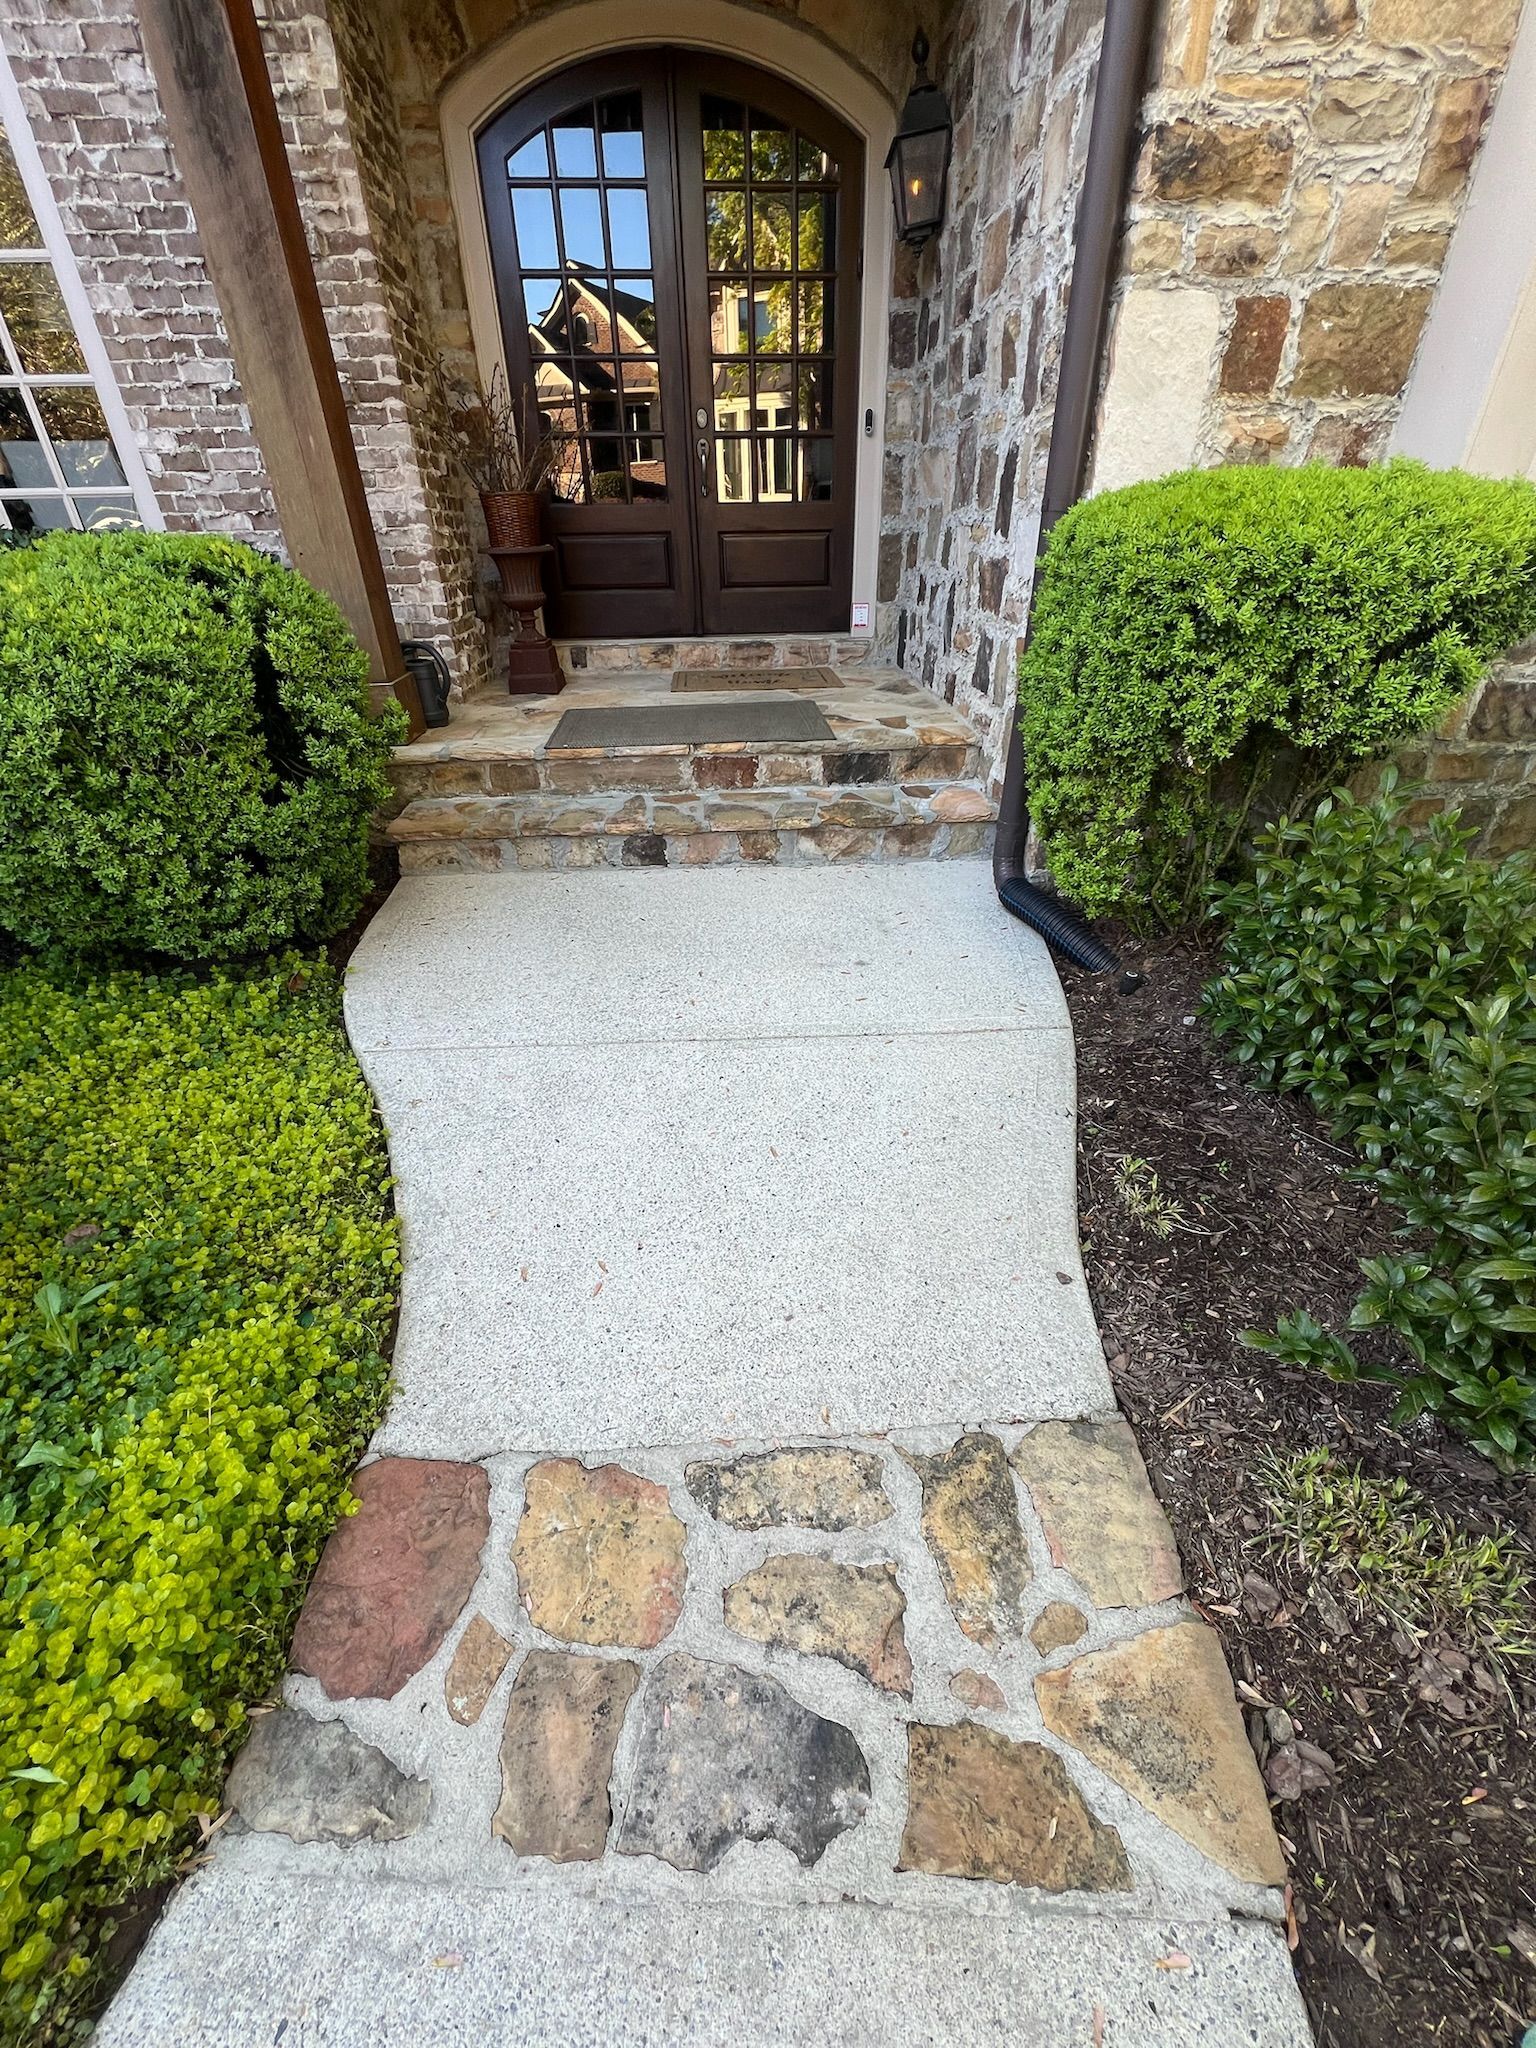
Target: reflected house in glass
x: 599, y: 387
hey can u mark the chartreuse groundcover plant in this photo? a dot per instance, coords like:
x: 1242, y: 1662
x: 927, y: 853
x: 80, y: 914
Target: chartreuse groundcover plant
x: 1198, y: 641
x: 1390, y: 977
x: 198, y: 1271
x: 187, y: 763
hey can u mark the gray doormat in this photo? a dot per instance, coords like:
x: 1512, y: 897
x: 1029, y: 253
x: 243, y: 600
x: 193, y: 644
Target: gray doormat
x: 755, y: 679
x: 772, y: 719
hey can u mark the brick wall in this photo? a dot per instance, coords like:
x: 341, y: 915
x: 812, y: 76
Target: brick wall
x: 96, y: 116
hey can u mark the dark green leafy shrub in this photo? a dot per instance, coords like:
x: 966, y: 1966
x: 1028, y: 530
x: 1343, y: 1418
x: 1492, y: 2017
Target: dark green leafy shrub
x: 187, y: 765
x: 197, y: 1268
x: 1389, y: 978
x: 1198, y: 640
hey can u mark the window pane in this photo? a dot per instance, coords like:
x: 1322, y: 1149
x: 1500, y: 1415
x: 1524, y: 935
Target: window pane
x: 531, y: 161
x: 108, y: 515
x: 814, y: 241
x: 607, y: 471
x: 772, y: 314
x: 725, y: 145
x: 813, y: 164
x: 773, y: 401
x: 23, y: 465
x: 35, y: 515
x: 544, y: 298
x: 589, y: 320
x: 814, y: 403
x: 34, y: 312
x: 575, y: 145
x: 729, y: 317
x: 733, y: 400
x: 734, y: 466
x: 623, y: 142
x: 815, y: 469
x: 581, y: 221
x: 726, y: 229
x: 634, y: 314
x: 773, y: 156
x: 773, y: 241
x: 18, y: 223
x: 774, y: 472
x: 815, y: 319
x: 534, y: 214
x: 81, y: 439
x: 629, y: 230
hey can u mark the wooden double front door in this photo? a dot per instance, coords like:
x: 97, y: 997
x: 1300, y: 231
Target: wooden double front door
x: 675, y: 242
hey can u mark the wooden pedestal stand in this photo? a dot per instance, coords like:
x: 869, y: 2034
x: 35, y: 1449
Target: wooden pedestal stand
x: 533, y: 667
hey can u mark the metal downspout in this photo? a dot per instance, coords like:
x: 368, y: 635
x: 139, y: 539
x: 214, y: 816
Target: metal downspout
x: 1111, y: 138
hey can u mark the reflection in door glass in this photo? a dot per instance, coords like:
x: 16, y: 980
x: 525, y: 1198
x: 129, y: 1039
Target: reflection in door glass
x: 634, y: 305
x: 729, y: 317
x: 581, y: 221
x: 575, y: 148
x: 773, y: 157
x: 773, y: 240
x: 619, y: 118
x: 533, y: 215
x: 735, y: 478
x: 725, y: 228
x: 816, y: 469
x: 773, y: 319
x: 725, y: 143
x: 815, y: 326
x: 531, y: 160
x: 629, y: 230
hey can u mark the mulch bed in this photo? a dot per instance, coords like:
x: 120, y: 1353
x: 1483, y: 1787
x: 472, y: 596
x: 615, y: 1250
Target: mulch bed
x: 1413, y: 1853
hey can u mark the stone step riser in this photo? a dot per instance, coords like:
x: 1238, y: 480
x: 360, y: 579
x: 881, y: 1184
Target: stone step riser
x: 815, y: 847
x: 683, y: 772
x: 620, y: 657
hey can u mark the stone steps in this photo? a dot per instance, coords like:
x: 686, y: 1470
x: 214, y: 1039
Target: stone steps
x: 628, y: 827
x: 784, y: 650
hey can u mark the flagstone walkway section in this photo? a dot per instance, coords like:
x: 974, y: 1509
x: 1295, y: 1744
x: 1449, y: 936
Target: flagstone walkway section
x: 616, y: 1718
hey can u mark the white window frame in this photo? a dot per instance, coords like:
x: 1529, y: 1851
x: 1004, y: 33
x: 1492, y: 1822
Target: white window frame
x: 97, y: 375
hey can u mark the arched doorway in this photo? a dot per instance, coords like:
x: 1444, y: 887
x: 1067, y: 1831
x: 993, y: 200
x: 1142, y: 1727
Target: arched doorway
x: 675, y: 241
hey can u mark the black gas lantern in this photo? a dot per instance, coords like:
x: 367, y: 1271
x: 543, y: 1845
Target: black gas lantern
x: 918, y: 159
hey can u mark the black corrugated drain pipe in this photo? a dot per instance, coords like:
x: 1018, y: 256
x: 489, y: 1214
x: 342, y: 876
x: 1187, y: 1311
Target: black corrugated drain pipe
x: 1111, y: 138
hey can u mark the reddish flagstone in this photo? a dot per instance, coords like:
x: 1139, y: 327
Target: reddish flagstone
x: 394, y: 1577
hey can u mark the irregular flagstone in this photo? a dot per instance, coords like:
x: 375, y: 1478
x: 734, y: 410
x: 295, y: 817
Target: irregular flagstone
x: 979, y: 1805
x: 971, y: 1525
x: 563, y: 1722
x: 394, y: 1577
x: 828, y: 1487
x: 599, y: 1555
x: 478, y: 1662
x: 849, y: 1612
x: 1157, y: 1715
x: 725, y: 1756
x: 1056, y: 1626
x: 975, y: 1689
x: 315, y: 1781
x: 1102, y: 1519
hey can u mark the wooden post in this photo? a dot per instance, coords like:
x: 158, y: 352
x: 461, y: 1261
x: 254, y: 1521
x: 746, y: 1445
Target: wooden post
x: 217, y: 95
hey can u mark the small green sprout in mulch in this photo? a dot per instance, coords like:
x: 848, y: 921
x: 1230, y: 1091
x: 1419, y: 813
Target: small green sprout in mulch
x: 1141, y: 1196
x: 1387, y: 1550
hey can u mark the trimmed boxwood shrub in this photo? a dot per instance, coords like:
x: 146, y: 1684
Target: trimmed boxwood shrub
x: 198, y: 1268
x: 1198, y: 639
x: 1388, y: 975
x: 187, y: 764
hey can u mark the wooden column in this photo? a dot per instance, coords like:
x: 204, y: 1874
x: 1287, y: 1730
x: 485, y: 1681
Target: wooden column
x: 217, y: 95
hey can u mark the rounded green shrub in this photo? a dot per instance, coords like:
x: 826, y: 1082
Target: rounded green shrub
x: 1199, y: 640
x: 187, y: 763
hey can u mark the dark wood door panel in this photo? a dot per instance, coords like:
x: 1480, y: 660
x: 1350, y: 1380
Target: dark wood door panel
x: 776, y: 561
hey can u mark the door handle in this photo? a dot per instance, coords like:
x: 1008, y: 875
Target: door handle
x: 702, y: 444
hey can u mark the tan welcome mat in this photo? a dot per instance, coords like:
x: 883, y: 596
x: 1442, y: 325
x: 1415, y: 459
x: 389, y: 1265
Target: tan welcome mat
x: 755, y: 679
x: 765, y: 719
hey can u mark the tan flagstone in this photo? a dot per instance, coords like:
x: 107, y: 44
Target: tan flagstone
x: 1101, y: 1517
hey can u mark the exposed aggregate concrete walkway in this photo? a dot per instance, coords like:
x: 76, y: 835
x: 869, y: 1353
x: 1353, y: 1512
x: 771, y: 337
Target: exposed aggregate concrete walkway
x: 758, y: 1623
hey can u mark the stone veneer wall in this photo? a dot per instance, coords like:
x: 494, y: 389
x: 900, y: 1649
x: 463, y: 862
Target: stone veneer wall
x: 976, y: 324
